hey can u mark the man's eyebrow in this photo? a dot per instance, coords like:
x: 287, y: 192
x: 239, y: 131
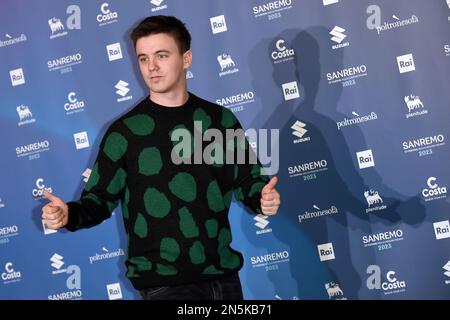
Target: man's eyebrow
x: 162, y: 51
x: 157, y: 52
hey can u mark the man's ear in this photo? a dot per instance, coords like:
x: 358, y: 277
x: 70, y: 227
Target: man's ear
x: 187, y: 59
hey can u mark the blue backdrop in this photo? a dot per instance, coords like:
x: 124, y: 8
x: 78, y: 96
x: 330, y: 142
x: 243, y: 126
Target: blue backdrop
x: 359, y: 91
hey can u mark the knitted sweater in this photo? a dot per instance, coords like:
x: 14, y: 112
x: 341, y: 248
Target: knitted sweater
x: 175, y: 214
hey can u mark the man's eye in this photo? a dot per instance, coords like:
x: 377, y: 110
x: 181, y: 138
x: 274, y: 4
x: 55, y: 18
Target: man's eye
x: 143, y: 59
x: 162, y: 56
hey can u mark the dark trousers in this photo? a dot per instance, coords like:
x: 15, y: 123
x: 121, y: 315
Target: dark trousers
x: 223, y: 289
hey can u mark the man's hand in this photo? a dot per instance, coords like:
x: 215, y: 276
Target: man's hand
x: 56, y: 212
x: 270, y: 198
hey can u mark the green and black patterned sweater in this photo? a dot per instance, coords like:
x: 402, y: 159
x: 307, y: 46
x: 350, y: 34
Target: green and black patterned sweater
x: 176, y: 215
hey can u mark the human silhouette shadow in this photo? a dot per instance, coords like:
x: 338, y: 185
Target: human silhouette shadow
x: 341, y: 185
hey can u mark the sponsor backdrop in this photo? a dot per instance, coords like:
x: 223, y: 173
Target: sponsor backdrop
x: 357, y: 89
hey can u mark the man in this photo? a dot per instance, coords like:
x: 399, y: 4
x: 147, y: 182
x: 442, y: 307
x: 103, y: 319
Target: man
x: 175, y: 210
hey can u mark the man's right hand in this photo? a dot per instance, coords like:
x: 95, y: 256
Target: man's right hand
x: 56, y: 212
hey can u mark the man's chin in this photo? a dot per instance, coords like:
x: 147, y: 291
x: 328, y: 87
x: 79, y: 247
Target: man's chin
x: 157, y: 89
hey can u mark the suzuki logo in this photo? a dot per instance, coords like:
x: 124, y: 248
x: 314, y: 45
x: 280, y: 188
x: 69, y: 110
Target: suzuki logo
x: 56, y: 260
x: 261, y: 221
x: 299, y: 129
x: 338, y: 34
x: 122, y: 89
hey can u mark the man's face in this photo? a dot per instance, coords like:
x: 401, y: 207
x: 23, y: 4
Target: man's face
x: 161, y: 63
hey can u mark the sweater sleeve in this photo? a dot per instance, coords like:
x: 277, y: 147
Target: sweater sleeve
x: 248, y: 176
x: 105, y: 187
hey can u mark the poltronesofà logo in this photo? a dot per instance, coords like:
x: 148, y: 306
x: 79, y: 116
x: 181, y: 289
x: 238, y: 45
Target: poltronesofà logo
x: 374, y: 20
x: 317, y: 213
x: 357, y: 119
x: 10, y: 40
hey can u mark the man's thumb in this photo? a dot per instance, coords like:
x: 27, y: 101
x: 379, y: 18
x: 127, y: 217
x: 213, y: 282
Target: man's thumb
x: 272, y: 183
x: 51, y: 196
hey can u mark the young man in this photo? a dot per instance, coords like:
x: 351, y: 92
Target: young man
x: 175, y: 209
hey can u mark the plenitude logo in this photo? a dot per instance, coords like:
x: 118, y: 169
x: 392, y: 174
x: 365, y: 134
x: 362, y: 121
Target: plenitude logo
x: 73, y: 22
x: 25, y: 115
x: 227, y: 65
x: 415, y: 106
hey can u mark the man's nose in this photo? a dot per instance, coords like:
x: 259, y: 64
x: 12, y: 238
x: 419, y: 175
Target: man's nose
x: 152, y: 66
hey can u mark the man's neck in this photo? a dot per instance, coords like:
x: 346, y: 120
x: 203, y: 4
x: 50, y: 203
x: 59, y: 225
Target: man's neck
x: 173, y: 99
